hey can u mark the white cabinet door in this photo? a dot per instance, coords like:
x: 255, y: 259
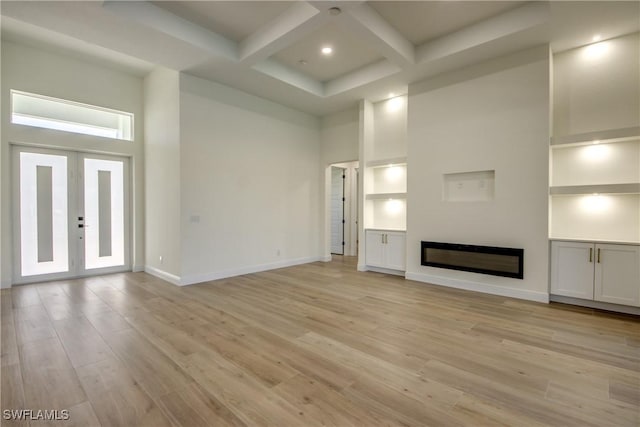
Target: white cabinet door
x: 617, y: 274
x: 572, y: 269
x: 374, y: 249
x: 395, y: 248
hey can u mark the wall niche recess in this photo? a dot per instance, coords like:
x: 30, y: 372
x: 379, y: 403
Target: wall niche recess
x: 476, y: 186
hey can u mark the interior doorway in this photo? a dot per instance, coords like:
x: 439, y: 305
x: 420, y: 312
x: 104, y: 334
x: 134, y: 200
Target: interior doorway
x: 342, y: 209
x: 71, y: 214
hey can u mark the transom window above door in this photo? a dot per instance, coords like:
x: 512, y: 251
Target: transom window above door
x: 60, y: 114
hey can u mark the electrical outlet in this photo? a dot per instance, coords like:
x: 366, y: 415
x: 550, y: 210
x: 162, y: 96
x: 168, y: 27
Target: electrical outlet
x: 160, y: 259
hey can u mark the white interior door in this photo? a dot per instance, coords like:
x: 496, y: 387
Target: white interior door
x: 57, y: 194
x: 337, y: 210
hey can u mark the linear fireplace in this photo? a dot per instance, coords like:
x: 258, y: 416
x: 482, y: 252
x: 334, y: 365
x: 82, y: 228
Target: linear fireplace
x: 507, y: 262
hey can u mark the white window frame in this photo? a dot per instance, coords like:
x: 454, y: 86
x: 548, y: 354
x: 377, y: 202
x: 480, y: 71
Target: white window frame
x: 72, y: 126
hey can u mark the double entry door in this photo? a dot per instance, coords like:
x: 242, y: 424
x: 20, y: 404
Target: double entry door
x: 71, y: 214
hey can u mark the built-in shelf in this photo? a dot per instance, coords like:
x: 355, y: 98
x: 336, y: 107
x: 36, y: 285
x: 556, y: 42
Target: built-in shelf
x: 631, y: 188
x: 384, y: 196
x: 386, y: 162
x: 605, y: 136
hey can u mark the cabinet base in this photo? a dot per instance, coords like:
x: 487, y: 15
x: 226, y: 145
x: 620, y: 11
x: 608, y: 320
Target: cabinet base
x: 384, y: 270
x: 596, y: 304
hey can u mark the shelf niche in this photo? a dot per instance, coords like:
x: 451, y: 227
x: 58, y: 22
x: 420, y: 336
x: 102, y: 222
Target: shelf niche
x: 476, y: 186
x: 610, y: 217
x: 386, y: 214
x: 597, y: 164
x: 391, y: 178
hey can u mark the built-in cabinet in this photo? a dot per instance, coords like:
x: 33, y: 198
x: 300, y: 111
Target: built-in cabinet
x: 386, y: 249
x: 596, y: 271
x: 383, y: 150
x: 594, y: 194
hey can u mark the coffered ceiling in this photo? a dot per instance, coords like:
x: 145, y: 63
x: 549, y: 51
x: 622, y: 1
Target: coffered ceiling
x: 272, y: 48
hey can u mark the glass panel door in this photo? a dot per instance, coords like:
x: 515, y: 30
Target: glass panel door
x: 70, y: 214
x: 104, y: 201
x: 44, y: 213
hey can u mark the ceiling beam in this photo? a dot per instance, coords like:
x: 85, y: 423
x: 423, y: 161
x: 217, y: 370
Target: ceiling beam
x: 297, y: 21
x: 363, y: 20
x: 360, y: 77
x: 506, y: 24
x: 289, y: 75
x: 168, y: 23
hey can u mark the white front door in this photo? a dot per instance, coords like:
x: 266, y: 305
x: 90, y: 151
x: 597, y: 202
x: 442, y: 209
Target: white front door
x: 70, y: 214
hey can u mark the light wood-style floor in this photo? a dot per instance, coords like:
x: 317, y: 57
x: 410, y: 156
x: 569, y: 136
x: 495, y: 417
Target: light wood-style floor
x: 317, y: 344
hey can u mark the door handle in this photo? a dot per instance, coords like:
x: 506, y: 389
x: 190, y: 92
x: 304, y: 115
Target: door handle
x: 590, y: 254
x: 598, y: 255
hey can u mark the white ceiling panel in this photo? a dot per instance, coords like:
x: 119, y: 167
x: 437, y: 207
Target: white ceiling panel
x: 232, y: 19
x: 349, y: 53
x: 421, y: 21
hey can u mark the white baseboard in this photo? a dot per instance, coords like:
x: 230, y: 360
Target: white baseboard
x: 326, y: 258
x: 5, y: 284
x: 216, y: 275
x: 479, y: 287
x: 137, y: 268
x: 171, y: 278
x: 596, y: 304
x: 362, y: 267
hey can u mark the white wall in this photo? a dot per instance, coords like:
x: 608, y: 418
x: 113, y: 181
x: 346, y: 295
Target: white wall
x: 162, y: 173
x: 32, y: 70
x: 250, y: 183
x: 339, y: 136
x: 596, y: 87
x: 491, y: 116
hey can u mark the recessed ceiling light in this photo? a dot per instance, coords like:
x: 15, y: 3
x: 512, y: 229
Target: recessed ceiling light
x: 596, y: 38
x: 327, y: 50
x: 335, y: 11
